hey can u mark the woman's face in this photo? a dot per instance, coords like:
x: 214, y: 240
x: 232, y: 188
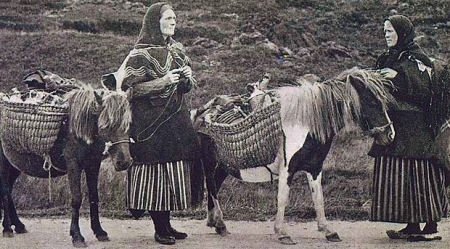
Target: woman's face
x: 167, y: 23
x: 390, y: 34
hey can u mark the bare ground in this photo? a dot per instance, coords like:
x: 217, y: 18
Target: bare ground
x: 54, y: 233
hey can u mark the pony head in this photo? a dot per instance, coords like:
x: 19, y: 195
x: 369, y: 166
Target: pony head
x: 102, y: 115
x: 375, y: 98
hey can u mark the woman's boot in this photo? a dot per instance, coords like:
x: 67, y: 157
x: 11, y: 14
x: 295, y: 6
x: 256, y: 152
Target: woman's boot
x: 172, y: 231
x: 162, y: 235
x: 405, y: 233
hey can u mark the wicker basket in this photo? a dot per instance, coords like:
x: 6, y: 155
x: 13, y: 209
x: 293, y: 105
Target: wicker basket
x: 29, y: 127
x: 251, y: 142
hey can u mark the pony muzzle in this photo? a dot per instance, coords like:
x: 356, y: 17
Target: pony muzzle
x: 123, y: 160
x: 123, y: 165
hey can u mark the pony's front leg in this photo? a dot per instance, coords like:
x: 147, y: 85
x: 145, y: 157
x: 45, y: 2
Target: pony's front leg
x: 315, y: 185
x: 283, y: 198
x: 92, y: 173
x: 74, y: 175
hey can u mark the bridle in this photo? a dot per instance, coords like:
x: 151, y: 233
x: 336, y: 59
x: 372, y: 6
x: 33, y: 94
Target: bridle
x: 379, y: 129
x: 110, y: 144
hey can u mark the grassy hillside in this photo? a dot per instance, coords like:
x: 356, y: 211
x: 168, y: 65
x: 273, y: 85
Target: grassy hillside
x: 231, y: 43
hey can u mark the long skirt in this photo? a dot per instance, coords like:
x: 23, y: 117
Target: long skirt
x: 408, y: 191
x: 159, y: 187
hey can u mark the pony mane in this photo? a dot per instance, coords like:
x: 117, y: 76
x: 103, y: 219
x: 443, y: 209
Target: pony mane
x: 327, y: 107
x: 378, y: 85
x: 116, y: 112
x: 82, y: 107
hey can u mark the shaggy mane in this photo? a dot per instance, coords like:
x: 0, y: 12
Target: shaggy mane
x: 82, y: 107
x: 116, y: 112
x: 326, y: 107
x: 84, y: 117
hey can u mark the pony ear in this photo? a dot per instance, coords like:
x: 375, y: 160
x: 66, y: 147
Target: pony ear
x: 358, y: 85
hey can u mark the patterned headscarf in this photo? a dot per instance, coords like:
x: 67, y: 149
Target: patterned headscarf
x: 152, y: 55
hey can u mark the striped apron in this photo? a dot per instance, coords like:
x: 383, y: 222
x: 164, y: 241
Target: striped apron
x: 407, y: 191
x: 160, y: 186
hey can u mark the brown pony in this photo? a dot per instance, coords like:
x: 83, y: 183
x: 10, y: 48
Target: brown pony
x: 97, y: 126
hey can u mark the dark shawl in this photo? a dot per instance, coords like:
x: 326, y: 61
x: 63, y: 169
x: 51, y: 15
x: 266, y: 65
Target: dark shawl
x: 161, y: 123
x: 414, y: 137
x: 405, y: 43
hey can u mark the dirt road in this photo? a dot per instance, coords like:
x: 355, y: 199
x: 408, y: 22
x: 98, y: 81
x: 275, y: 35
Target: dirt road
x: 54, y: 234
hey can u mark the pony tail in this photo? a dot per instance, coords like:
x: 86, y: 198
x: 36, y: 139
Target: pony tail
x: 82, y: 109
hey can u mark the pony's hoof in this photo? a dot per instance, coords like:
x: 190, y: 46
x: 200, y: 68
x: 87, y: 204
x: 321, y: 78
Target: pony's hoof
x: 210, y: 224
x: 79, y: 244
x: 286, y: 240
x: 8, y: 234
x: 102, y: 235
x: 222, y: 231
x: 333, y: 237
x: 20, y: 230
x: 102, y: 238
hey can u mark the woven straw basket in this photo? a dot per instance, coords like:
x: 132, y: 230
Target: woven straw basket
x: 29, y: 127
x: 251, y: 142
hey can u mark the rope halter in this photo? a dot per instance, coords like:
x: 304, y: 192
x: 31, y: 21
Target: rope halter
x: 379, y: 129
x: 110, y: 144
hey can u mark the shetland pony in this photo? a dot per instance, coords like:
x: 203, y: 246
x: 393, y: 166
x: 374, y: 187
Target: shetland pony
x: 311, y: 114
x: 97, y: 125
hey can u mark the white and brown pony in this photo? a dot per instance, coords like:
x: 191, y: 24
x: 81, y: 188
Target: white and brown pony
x: 311, y: 115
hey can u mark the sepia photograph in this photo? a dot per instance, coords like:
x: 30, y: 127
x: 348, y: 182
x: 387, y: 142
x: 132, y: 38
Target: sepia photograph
x: 256, y: 124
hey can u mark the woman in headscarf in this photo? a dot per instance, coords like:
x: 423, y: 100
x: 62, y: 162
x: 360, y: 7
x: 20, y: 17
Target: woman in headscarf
x: 158, y: 73
x: 407, y: 186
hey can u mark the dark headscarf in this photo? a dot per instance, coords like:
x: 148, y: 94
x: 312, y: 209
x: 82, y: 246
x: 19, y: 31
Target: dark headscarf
x: 404, y: 29
x: 150, y: 34
x: 405, y: 44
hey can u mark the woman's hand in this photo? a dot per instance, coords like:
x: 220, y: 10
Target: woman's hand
x: 388, y: 73
x: 187, y: 71
x: 173, y: 76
